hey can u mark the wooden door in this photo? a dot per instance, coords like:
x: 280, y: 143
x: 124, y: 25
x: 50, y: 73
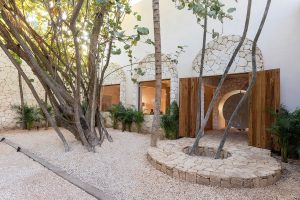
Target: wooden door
x: 264, y: 98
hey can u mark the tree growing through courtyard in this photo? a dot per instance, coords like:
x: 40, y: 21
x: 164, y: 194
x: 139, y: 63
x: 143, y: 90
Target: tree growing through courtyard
x: 68, y: 46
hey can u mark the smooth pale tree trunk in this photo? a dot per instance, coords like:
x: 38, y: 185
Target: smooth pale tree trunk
x: 198, y: 120
x: 21, y: 98
x: 219, y: 87
x: 251, y: 84
x: 157, y: 41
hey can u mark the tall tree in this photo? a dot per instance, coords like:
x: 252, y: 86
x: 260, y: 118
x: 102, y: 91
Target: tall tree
x: 65, y: 43
x: 204, y: 9
x: 158, y: 76
x: 251, y: 84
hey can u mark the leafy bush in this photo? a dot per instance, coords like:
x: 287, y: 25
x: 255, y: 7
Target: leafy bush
x: 30, y: 115
x: 127, y: 118
x: 116, y: 111
x: 138, y: 119
x: 170, y: 121
x: 287, y: 129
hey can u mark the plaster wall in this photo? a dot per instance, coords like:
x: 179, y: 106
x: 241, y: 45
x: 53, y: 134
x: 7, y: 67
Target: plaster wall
x: 279, y: 41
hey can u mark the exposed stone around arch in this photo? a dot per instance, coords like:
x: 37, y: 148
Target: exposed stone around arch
x: 115, y: 75
x: 147, y: 67
x: 218, y: 54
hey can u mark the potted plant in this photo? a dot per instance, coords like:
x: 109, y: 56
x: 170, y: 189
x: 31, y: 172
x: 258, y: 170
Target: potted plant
x: 170, y: 121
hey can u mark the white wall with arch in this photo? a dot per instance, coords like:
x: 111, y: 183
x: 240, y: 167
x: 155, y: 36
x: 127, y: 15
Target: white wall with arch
x: 145, y: 71
x: 279, y: 42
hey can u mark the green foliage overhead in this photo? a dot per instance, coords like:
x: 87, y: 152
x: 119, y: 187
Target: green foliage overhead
x: 213, y: 9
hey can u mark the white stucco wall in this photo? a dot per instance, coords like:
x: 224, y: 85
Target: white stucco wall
x: 279, y: 42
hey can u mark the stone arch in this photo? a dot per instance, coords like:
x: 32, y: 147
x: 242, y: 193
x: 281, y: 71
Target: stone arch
x: 145, y: 71
x: 218, y: 54
x: 116, y: 75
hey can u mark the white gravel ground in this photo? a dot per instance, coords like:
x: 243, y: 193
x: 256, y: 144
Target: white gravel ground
x: 22, y: 178
x: 121, y: 170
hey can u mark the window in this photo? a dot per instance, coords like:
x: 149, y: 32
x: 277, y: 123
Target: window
x: 147, y: 96
x: 110, y: 96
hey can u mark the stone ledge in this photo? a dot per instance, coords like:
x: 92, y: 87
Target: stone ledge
x: 247, y: 167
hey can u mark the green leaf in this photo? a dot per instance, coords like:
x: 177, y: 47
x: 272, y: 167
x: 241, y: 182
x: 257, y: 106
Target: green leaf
x: 231, y: 10
x: 139, y: 17
x: 127, y: 46
x: 215, y: 34
x: 116, y: 52
x: 143, y: 30
x: 149, y: 41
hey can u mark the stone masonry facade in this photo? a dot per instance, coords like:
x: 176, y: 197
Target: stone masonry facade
x: 10, y: 93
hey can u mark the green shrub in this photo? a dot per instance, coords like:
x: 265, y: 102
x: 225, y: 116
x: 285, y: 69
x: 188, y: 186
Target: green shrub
x: 170, y: 121
x: 30, y: 115
x: 127, y: 118
x: 116, y: 112
x: 138, y: 119
x: 287, y: 129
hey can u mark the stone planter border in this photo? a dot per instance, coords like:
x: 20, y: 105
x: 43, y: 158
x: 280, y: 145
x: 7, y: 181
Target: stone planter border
x: 247, y: 167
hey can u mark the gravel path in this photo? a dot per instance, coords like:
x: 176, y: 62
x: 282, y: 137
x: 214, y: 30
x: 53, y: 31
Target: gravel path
x: 121, y: 170
x: 22, y: 178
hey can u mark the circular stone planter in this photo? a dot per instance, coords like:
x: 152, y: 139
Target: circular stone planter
x: 207, y: 152
x: 241, y: 167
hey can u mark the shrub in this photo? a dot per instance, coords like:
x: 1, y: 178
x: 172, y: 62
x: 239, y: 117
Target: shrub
x: 287, y: 129
x: 138, y: 119
x: 116, y: 111
x: 170, y: 121
x: 30, y: 115
x: 127, y: 118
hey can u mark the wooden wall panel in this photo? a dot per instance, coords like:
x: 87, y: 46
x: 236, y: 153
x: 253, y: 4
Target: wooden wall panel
x: 188, y: 106
x: 183, y: 107
x: 209, y: 93
x: 265, y: 96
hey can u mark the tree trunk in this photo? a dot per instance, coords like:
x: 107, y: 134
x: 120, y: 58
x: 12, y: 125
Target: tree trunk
x: 251, y: 84
x: 40, y: 102
x: 46, y: 101
x: 22, y: 98
x: 218, y: 89
x: 158, y: 76
x: 198, y: 120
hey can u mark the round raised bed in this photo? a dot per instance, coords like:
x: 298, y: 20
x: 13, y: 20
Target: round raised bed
x: 241, y: 166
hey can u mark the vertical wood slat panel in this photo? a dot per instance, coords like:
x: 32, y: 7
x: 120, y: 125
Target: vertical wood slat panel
x: 188, y: 106
x: 264, y: 97
x: 183, y: 108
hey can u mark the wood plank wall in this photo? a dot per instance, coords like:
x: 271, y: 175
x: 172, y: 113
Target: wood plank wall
x: 188, y: 106
x: 264, y: 98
